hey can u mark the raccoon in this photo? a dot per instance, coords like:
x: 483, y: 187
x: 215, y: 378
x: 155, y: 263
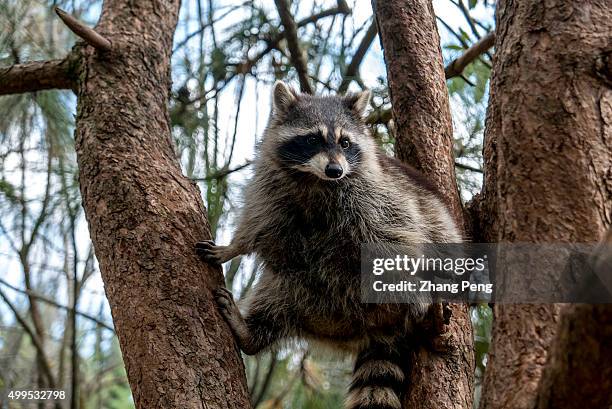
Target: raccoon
x: 321, y: 188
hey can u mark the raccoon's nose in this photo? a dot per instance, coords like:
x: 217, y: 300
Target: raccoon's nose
x: 333, y: 170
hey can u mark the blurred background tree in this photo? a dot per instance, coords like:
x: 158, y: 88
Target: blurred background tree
x: 55, y: 325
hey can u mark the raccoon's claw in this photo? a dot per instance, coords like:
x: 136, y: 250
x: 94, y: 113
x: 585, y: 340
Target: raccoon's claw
x: 227, y: 306
x: 206, y: 251
x: 224, y: 297
x: 231, y: 314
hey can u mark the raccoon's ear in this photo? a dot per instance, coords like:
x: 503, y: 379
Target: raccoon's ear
x: 358, y: 102
x: 283, y: 97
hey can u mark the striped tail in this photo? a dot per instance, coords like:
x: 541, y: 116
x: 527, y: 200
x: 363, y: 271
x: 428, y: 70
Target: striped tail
x: 378, y: 379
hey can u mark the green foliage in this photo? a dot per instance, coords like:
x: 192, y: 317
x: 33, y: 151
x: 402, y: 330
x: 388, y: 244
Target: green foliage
x: 469, y: 96
x: 218, y: 64
x: 8, y: 192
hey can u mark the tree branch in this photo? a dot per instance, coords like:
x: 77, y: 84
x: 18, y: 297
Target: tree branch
x: 267, y: 379
x: 456, y: 67
x: 37, y: 76
x: 453, y: 32
x: 379, y: 116
x: 468, y: 17
x: 423, y: 138
x: 295, y: 52
x: 46, y: 367
x: 353, y: 67
x: 86, y: 33
x: 453, y: 69
x: 341, y: 8
x: 221, y: 173
x: 200, y: 30
x: 467, y: 167
x: 247, y: 65
x: 459, y: 38
x: 49, y: 301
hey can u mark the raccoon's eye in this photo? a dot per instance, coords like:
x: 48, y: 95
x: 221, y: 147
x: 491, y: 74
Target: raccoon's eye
x: 312, y: 140
x: 345, y: 143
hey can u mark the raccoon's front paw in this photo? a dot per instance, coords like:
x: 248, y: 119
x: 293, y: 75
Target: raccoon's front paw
x: 209, y: 252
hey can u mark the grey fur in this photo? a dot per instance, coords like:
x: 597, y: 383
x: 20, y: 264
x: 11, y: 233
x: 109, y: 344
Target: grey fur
x: 307, y: 233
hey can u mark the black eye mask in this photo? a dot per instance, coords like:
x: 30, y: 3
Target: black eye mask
x: 301, y: 149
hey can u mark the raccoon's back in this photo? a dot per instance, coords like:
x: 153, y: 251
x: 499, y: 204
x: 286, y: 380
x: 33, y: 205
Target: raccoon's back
x: 434, y: 215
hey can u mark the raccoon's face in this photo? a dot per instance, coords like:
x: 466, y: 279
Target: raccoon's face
x: 321, y: 136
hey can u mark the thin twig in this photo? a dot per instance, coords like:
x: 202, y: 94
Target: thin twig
x: 86, y: 33
x: 49, y: 301
x: 46, y: 367
x: 221, y: 173
x: 342, y: 8
x: 468, y: 167
x: 203, y: 27
x: 273, y: 43
x: 454, y: 33
x: 235, y: 133
x: 297, y: 56
x: 468, y: 17
x: 267, y: 379
x: 353, y: 67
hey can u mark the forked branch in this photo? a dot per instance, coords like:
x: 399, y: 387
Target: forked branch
x: 86, y: 33
x: 52, y: 74
x: 341, y: 8
x: 297, y: 57
x: 352, y: 70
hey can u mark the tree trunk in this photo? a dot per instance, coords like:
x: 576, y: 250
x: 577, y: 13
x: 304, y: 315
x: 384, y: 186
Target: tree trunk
x: 578, y: 373
x: 548, y: 164
x: 145, y: 217
x: 424, y: 139
x: 417, y: 84
x: 581, y: 353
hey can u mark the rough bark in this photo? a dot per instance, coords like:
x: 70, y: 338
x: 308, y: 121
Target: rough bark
x: 37, y: 76
x: 415, y: 72
x: 419, y: 97
x: 521, y: 337
x: 145, y: 217
x: 578, y: 373
x: 548, y: 161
